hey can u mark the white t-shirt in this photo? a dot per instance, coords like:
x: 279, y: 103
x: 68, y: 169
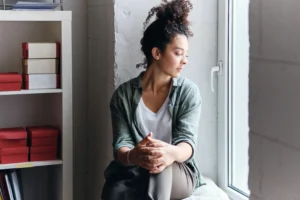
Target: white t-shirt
x: 160, y: 123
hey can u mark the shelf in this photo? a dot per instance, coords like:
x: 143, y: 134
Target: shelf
x: 22, y: 92
x: 16, y: 15
x: 40, y: 106
x: 29, y: 164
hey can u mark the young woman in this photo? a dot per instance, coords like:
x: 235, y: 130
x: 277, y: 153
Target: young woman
x: 155, y: 117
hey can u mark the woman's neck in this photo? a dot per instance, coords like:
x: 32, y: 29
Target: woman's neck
x: 155, y: 81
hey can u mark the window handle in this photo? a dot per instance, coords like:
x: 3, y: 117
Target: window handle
x: 214, y: 69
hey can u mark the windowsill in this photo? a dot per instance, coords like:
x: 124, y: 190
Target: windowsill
x: 233, y: 195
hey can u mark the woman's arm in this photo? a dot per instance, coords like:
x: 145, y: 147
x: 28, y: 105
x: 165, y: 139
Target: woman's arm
x: 166, y: 154
x: 121, y: 132
x: 187, y: 119
x: 181, y: 152
x: 122, y: 155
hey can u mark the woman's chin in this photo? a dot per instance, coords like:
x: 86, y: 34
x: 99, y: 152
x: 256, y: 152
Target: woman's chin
x: 175, y: 75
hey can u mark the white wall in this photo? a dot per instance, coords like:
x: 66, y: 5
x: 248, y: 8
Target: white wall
x: 274, y: 100
x: 129, y: 18
x: 79, y: 43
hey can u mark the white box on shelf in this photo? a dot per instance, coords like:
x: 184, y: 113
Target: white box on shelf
x: 40, y: 66
x: 41, y: 50
x: 41, y: 81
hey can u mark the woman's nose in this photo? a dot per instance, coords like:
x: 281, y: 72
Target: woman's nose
x: 185, y: 61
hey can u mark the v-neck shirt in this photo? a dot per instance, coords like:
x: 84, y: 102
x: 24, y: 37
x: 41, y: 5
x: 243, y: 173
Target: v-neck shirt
x: 159, y: 123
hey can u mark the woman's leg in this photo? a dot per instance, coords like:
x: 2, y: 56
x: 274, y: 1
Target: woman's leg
x: 183, y: 182
x: 175, y: 182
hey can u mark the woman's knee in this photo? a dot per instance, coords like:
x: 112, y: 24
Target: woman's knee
x: 183, y: 181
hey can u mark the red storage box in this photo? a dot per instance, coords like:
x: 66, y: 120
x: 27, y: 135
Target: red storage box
x: 13, y: 137
x: 14, y: 155
x: 10, y: 81
x: 43, y: 136
x: 42, y: 153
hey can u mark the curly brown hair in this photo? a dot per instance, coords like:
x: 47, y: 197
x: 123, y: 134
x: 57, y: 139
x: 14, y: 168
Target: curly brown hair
x: 171, y: 20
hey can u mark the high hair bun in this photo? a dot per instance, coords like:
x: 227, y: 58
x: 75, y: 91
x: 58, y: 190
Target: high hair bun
x: 172, y: 13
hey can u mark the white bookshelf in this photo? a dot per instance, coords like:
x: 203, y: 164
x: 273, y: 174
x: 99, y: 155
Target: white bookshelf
x: 15, y: 15
x: 30, y: 164
x: 44, y: 180
x: 22, y: 92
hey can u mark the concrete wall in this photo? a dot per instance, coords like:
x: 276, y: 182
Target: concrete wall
x: 79, y: 43
x: 274, y: 100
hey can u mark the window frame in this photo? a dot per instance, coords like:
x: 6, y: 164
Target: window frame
x: 223, y: 116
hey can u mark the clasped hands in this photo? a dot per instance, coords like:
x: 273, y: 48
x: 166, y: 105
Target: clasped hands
x: 152, y: 154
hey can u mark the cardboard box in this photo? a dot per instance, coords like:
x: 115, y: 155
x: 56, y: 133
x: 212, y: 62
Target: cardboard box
x: 14, y: 155
x: 41, y: 50
x: 43, y: 153
x: 43, y: 136
x: 40, y: 66
x: 13, y: 137
x: 11, y: 81
x: 41, y: 81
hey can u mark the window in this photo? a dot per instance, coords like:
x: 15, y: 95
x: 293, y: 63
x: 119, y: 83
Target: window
x: 233, y: 131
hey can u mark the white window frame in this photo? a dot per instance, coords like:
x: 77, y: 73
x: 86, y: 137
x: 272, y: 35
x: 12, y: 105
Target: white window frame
x: 224, y: 137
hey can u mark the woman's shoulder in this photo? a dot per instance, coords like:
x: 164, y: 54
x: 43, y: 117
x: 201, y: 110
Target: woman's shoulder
x: 126, y: 87
x: 188, y: 90
x: 187, y: 84
x: 124, y: 90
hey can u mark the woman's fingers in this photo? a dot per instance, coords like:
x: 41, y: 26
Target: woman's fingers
x: 148, y: 166
x: 155, y: 144
x: 152, y: 160
x: 151, y: 151
x: 146, y: 140
x: 152, y: 140
x: 153, y: 164
x: 157, y: 169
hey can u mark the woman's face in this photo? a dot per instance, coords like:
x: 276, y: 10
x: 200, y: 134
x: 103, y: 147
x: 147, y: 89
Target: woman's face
x: 173, y: 59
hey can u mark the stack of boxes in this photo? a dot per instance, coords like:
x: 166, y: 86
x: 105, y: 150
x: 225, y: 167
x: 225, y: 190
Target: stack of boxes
x: 40, y: 68
x: 41, y: 65
x: 38, y: 143
x: 13, y: 145
x: 43, y: 143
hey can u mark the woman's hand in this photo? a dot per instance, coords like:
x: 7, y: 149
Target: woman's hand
x: 157, y: 155
x: 138, y: 154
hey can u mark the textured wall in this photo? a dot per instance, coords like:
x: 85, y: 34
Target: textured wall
x: 274, y: 100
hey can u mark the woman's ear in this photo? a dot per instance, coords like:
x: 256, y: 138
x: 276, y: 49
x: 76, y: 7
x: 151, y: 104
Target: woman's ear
x: 156, y: 53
